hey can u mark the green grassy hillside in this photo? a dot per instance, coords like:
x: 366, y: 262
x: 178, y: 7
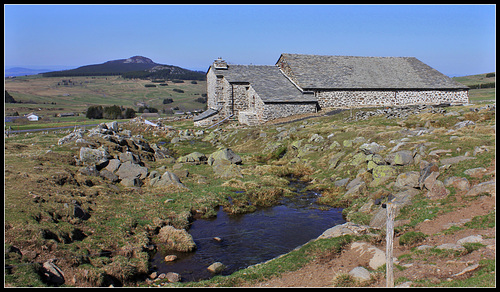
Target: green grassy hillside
x: 48, y: 96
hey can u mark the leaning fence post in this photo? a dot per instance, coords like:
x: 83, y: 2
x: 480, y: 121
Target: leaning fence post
x: 389, y: 237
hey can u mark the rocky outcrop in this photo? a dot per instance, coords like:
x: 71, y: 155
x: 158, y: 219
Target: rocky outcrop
x: 167, y: 179
x: 224, y: 154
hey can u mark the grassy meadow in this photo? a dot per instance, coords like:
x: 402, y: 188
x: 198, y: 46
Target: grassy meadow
x: 49, y: 96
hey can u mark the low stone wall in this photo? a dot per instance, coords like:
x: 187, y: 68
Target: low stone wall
x: 273, y: 111
x: 362, y: 98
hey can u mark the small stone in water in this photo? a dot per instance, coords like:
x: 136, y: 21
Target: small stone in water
x: 170, y: 258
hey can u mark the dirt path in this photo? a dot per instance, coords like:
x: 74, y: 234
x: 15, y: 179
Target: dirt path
x: 435, y: 268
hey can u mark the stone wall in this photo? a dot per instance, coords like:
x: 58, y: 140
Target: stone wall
x: 273, y: 111
x: 248, y: 118
x: 362, y: 98
x: 211, y: 89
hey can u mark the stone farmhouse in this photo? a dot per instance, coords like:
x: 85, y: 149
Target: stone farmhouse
x: 300, y: 84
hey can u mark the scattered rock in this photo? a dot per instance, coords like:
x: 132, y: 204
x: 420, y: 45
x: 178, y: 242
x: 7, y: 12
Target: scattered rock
x: 316, y: 138
x: 467, y: 270
x: 224, y: 154
x: 170, y: 258
x: 109, y: 175
x: 195, y: 158
x: 358, y: 159
x: 381, y: 172
x: 90, y: 156
x: 425, y: 172
x: 480, y: 149
x: 457, y: 159
x: 334, y: 161
x: 436, y: 188
x: 344, y: 229
x: 451, y: 246
x: 488, y: 187
x: 356, y: 190
x: 173, y: 277
x: 341, y: 182
x: 216, y: 268
x: 470, y: 239
x: 407, y: 180
x: 167, y: 179
x: 131, y: 182
x: 371, y: 148
x: 439, y: 152
x: 73, y: 136
x: 129, y: 170
x: 360, y: 274
x: 113, y: 165
x: 377, y: 256
x: 459, y: 183
x: 129, y: 156
x: 463, y: 124
x: 403, y: 157
x: 347, y: 143
x: 476, y: 172
x: 225, y: 169
x: 52, y: 273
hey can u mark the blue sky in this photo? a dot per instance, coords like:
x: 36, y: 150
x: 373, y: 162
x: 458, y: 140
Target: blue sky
x: 454, y: 39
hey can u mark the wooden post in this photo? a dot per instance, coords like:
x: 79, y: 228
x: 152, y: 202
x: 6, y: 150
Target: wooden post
x: 391, y: 211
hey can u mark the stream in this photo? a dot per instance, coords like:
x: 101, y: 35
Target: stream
x: 239, y: 241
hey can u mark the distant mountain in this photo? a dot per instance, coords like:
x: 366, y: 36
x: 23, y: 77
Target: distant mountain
x: 133, y: 67
x: 19, y: 71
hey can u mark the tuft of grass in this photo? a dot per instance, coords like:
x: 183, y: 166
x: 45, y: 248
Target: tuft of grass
x: 411, y: 238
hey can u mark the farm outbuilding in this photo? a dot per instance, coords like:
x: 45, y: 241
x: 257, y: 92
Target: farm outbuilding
x: 32, y: 117
x: 299, y: 84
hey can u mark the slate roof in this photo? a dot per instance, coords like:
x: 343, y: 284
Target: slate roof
x: 347, y: 72
x: 267, y: 81
x: 208, y: 113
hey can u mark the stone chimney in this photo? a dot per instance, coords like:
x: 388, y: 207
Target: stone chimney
x: 220, y: 64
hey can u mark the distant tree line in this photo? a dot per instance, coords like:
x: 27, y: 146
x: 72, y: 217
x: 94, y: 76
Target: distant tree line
x: 483, y: 85
x: 109, y: 112
x: 165, y: 75
x: 67, y: 73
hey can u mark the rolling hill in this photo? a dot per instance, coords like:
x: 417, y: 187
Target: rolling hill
x: 133, y: 67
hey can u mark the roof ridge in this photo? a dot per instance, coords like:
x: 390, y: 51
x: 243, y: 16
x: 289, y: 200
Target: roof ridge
x: 347, y: 56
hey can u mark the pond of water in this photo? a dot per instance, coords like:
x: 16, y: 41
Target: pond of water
x: 251, y: 238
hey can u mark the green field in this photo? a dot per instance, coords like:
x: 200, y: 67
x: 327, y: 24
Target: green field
x: 474, y: 79
x: 48, y: 96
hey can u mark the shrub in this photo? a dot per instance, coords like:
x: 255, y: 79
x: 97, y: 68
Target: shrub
x: 94, y: 112
x: 112, y: 112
